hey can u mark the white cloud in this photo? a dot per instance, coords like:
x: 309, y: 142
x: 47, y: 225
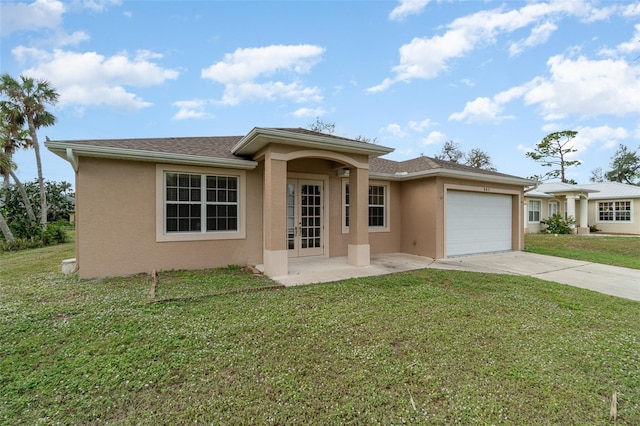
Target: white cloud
x: 248, y: 64
x: 420, y: 126
x: 425, y: 58
x: 29, y: 17
x: 581, y: 86
x: 98, y: 5
x: 602, y: 136
x: 236, y: 93
x: 309, y: 112
x: 238, y: 72
x: 92, y: 79
x: 434, y: 137
x: 193, y: 109
x: 539, y: 35
x: 395, y: 130
x: 631, y: 10
x: 627, y: 47
x: 480, y: 110
x: 406, y: 8
x: 587, y: 88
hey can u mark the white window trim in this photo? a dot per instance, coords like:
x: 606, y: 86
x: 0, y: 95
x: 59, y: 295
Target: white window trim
x: 529, y: 211
x: 387, y: 207
x: 163, y: 236
x: 555, y: 203
x: 614, y: 215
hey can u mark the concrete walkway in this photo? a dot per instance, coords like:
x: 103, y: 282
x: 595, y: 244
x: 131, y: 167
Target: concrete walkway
x: 612, y: 280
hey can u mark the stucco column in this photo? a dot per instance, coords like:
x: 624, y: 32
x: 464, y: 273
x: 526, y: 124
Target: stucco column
x: 583, y: 227
x: 584, y: 212
x: 358, y: 249
x: 275, y: 254
x: 571, y: 208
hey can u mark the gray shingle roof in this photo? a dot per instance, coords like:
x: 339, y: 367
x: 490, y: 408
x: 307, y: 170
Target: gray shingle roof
x: 220, y: 147
x: 423, y: 163
x: 207, y: 146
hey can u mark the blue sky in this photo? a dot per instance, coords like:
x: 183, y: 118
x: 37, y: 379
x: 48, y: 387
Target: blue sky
x: 494, y: 75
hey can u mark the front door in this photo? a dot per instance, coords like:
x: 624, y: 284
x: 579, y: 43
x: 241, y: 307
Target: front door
x: 304, y: 218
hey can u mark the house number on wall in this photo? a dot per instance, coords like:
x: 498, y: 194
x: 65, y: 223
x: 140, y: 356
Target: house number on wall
x: 486, y: 189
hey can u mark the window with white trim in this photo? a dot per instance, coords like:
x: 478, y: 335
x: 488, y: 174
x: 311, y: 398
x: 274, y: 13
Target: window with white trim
x: 614, y: 211
x: 534, y: 210
x: 197, y: 203
x: 377, y: 207
x: 200, y: 203
x: 553, y: 208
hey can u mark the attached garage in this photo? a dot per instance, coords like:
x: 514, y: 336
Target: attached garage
x: 477, y: 222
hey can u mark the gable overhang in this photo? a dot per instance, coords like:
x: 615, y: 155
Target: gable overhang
x: 458, y: 174
x: 71, y: 152
x: 258, y: 138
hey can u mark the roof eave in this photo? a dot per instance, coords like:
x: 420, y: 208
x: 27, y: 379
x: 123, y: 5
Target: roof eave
x: 259, y: 137
x: 513, y: 180
x: 62, y: 149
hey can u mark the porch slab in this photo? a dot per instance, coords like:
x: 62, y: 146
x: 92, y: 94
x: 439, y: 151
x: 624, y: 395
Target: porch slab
x: 321, y: 270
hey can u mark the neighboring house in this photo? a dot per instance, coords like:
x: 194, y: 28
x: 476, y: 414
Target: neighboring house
x: 615, y: 207
x: 547, y: 199
x: 276, y: 194
x: 609, y: 206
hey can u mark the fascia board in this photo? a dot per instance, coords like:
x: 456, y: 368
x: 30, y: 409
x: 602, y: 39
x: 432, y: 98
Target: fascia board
x: 454, y: 174
x: 258, y: 138
x: 61, y: 149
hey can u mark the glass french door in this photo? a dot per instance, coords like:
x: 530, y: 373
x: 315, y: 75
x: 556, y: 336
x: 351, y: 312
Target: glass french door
x: 304, y: 218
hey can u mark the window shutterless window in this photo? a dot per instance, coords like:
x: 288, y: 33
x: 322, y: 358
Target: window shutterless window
x: 553, y: 208
x: 534, y: 210
x: 200, y: 203
x: 614, y: 211
x: 377, y: 207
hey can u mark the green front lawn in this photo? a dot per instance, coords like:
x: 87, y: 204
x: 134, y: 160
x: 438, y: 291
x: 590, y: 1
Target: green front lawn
x: 610, y: 250
x: 425, y: 347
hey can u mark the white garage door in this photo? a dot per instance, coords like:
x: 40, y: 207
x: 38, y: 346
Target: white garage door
x: 477, y: 223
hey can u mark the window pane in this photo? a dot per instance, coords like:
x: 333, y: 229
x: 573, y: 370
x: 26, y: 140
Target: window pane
x: 172, y: 179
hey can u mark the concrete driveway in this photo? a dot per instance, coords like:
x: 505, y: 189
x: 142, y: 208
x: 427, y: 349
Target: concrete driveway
x: 612, y: 280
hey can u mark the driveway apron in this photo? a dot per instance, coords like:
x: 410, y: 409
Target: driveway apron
x: 612, y: 280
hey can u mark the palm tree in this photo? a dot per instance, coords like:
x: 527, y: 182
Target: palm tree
x: 4, y: 228
x: 29, y: 97
x: 12, y: 138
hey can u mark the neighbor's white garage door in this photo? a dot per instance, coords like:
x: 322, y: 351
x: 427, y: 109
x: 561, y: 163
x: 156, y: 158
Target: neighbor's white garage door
x: 477, y: 222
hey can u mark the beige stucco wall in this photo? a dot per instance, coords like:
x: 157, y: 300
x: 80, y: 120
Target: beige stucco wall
x: 424, y: 215
x: 632, y: 227
x: 116, y: 209
x: 116, y: 224
x: 421, y: 212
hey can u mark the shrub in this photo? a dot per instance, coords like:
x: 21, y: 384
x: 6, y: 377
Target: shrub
x: 32, y: 236
x: 556, y: 224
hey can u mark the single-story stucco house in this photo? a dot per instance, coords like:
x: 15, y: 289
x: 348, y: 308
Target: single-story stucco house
x: 274, y: 194
x: 609, y: 206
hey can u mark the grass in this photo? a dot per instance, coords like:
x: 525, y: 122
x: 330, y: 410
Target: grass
x: 610, y: 250
x: 425, y: 347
